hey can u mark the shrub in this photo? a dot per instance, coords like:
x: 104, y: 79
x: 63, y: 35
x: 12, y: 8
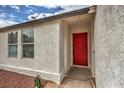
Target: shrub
x: 37, y: 82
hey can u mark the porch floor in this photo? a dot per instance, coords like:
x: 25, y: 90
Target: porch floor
x: 78, y: 77
x: 75, y: 78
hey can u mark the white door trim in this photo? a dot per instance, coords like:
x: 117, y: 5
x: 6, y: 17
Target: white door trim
x: 72, y: 51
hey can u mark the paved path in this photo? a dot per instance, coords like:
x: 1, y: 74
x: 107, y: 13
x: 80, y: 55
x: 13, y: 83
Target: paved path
x: 75, y: 78
x: 78, y: 78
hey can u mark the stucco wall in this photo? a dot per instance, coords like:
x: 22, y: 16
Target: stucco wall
x: 67, y: 47
x: 109, y: 46
x: 64, y: 47
x: 46, y: 52
x: 91, y: 39
x: 61, y: 46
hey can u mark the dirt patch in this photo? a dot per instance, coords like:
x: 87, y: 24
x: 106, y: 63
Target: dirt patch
x: 14, y: 80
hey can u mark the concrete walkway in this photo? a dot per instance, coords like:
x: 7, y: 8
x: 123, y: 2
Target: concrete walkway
x: 75, y: 78
x: 78, y: 78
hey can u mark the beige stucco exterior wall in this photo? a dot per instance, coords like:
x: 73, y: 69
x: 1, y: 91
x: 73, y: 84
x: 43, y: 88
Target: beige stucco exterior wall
x: 64, y: 47
x: 109, y: 46
x: 91, y: 39
x: 46, y: 52
x: 67, y: 47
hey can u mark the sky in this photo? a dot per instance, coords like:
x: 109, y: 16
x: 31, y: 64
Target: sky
x: 15, y: 14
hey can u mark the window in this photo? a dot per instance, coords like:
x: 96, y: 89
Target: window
x: 12, y: 44
x: 28, y: 43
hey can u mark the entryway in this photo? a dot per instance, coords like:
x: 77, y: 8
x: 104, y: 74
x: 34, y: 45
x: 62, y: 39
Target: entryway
x: 78, y: 78
x: 77, y: 44
x: 75, y: 78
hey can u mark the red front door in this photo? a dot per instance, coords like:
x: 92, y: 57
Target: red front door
x: 80, y: 49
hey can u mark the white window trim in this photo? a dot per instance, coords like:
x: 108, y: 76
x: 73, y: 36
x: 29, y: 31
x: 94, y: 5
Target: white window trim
x: 14, y: 44
x: 30, y: 43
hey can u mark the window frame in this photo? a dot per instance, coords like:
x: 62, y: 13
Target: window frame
x: 27, y: 43
x: 12, y: 44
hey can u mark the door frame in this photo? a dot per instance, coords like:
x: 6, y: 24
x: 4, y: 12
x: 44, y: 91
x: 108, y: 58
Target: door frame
x: 72, y: 50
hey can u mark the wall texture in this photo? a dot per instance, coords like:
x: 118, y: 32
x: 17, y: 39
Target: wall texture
x: 64, y: 36
x: 46, y: 52
x: 109, y: 46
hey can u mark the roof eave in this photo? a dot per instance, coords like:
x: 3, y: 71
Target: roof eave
x: 46, y: 19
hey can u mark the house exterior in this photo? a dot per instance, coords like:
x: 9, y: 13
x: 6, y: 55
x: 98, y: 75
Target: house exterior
x: 91, y: 38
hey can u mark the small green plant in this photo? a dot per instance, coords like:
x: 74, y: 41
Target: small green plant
x: 38, y: 82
